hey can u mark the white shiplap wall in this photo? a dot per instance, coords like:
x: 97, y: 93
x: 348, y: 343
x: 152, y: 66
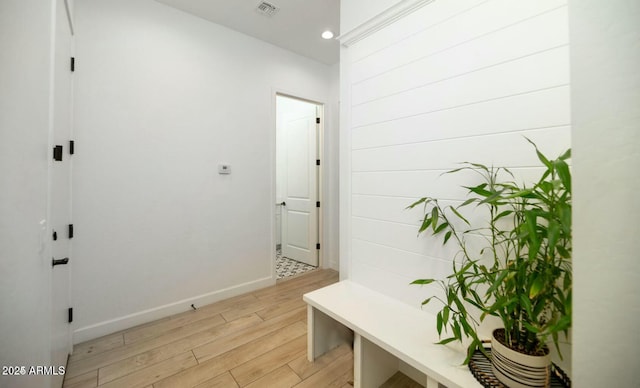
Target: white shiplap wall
x: 453, y: 81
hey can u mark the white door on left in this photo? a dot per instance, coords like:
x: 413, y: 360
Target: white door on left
x: 60, y: 194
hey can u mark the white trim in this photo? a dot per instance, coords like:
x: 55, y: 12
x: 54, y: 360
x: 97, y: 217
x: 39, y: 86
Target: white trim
x: 322, y: 215
x: 344, y: 165
x: 381, y: 20
x: 113, y: 325
x: 320, y: 186
x: 272, y: 180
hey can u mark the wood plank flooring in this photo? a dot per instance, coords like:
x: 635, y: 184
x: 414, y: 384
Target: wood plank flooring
x: 400, y: 380
x: 253, y: 340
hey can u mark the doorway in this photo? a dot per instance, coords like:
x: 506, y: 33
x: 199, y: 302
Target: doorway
x: 298, y: 155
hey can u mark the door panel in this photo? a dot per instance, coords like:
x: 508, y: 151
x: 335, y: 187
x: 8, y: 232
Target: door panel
x: 300, y: 214
x: 60, y: 192
x: 298, y: 236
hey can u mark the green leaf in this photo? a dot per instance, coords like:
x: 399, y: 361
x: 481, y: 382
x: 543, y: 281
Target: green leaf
x: 474, y: 303
x: 479, y: 190
x: 423, y: 281
x: 566, y: 281
x: 530, y: 327
x: 440, y: 228
x: 553, y: 233
x: 563, y: 252
x: 536, y: 286
x: 470, y: 350
x: 478, y: 166
x: 554, y: 335
x: 456, y: 330
x: 566, y: 155
x: 530, y: 217
x: 498, y: 281
x: 502, y: 214
x: 526, y: 303
x: 425, y: 224
x: 424, y: 302
x: 434, y: 217
x: 564, y: 323
x: 520, y: 194
x: 446, y: 341
x: 563, y: 172
x: 542, y: 158
x: 445, y: 314
x: 468, y: 201
x: 456, y: 170
x: 459, y: 215
x: 418, y: 202
x: 447, y: 236
x: 439, y: 323
x: 537, y: 309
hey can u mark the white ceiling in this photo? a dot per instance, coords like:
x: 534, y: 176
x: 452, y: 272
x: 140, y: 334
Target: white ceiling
x: 296, y: 26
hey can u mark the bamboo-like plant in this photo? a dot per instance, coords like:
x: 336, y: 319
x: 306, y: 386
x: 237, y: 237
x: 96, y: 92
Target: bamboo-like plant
x: 523, y: 274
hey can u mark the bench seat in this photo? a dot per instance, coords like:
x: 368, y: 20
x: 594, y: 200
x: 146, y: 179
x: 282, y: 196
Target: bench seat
x: 387, y: 336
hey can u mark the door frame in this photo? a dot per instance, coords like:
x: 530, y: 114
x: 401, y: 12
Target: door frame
x: 54, y: 223
x: 320, y: 177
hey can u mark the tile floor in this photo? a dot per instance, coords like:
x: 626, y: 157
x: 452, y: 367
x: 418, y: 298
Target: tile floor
x: 286, y: 267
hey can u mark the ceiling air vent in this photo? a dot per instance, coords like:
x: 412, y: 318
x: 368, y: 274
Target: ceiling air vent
x: 267, y: 9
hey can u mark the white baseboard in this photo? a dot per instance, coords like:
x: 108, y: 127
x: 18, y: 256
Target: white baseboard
x: 100, y: 329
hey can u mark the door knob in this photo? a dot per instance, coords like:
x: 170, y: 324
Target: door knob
x: 283, y: 203
x: 55, y: 262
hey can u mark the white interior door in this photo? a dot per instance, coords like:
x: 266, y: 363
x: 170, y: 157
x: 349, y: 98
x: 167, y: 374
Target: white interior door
x: 60, y: 191
x: 299, y: 182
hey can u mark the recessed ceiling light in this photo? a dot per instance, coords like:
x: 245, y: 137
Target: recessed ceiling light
x: 327, y: 34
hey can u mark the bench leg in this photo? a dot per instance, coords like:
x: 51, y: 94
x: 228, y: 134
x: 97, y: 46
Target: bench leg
x: 324, y: 333
x: 372, y: 364
x: 431, y: 383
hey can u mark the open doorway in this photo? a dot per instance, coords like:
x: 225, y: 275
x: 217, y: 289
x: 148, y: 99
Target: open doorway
x: 298, y: 216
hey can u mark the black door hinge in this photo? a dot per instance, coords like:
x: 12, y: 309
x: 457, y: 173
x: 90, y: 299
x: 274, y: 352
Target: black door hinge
x: 70, y: 315
x: 72, y: 147
x: 318, y: 246
x: 70, y: 231
x: 318, y: 204
x: 55, y: 262
x: 73, y: 63
x: 317, y: 120
x: 57, y: 153
x: 317, y: 162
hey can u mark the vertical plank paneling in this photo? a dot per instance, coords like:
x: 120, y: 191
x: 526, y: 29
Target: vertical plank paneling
x: 451, y: 82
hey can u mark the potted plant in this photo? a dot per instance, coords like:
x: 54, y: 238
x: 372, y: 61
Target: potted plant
x: 522, y: 274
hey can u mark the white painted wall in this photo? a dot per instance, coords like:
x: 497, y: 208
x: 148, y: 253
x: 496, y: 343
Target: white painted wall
x: 605, y: 89
x: 25, y: 122
x: 162, y: 98
x: 450, y: 82
x: 460, y: 81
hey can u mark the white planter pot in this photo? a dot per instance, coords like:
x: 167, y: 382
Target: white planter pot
x: 518, y: 370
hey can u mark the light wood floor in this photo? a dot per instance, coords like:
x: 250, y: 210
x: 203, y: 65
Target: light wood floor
x: 253, y: 340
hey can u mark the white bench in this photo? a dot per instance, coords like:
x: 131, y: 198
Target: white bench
x: 388, y: 336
